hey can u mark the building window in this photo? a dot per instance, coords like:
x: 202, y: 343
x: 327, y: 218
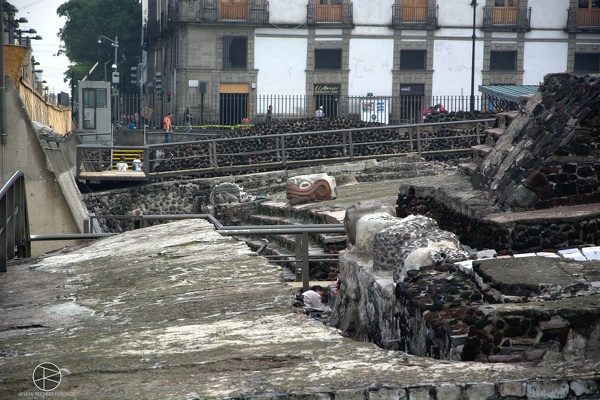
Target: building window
x: 414, y: 11
x: 588, y: 14
x: 413, y: 60
x: 589, y: 3
x: 329, y: 11
x: 328, y: 58
x: 506, y: 12
x: 235, y: 50
x: 503, y: 61
x: 587, y: 62
x: 234, y: 10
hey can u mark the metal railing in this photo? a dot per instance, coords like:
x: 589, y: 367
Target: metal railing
x: 583, y: 20
x: 14, y: 233
x: 218, y: 155
x: 414, y: 17
x: 507, y: 18
x: 341, y: 14
x: 228, y: 110
x: 15, y: 238
x: 301, y: 231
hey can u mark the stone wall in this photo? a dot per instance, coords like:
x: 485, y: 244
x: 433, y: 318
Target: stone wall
x: 455, y: 312
x: 261, y: 150
x: 515, y: 233
x: 549, y: 156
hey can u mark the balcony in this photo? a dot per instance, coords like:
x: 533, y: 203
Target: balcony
x: 414, y: 17
x: 583, y: 20
x: 507, y: 19
x: 330, y: 14
x: 248, y: 12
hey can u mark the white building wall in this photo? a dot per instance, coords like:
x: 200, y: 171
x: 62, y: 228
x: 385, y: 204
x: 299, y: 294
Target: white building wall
x: 371, y: 64
x: 370, y: 13
x: 542, y: 58
x: 287, y: 12
x: 548, y: 14
x: 452, y: 66
x: 280, y: 59
x: 453, y: 13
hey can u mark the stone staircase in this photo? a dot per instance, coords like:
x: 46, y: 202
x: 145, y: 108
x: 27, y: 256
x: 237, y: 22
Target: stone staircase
x: 481, y: 151
x: 280, y: 249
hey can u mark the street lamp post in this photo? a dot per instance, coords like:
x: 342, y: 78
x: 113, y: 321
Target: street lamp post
x: 473, y: 37
x: 115, y: 44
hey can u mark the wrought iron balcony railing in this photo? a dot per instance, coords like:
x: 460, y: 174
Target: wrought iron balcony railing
x: 337, y: 14
x: 253, y: 12
x: 507, y: 19
x: 414, y: 17
x: 583, y: 20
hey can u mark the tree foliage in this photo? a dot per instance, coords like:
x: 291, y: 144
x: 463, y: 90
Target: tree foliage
x: 89, y: 20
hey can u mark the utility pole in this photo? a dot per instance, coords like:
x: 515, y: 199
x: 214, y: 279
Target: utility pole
x: 473, y: 37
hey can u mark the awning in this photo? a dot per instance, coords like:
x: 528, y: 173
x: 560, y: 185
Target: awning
x: 508, y: 92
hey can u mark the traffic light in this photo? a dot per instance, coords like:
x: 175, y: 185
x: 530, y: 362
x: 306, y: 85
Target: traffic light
x: 134, y: 75
x: 158, y: 82
x: 168, y: 96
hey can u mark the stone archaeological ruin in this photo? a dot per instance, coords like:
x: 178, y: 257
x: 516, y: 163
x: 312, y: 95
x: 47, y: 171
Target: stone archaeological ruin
x: 420, y: 282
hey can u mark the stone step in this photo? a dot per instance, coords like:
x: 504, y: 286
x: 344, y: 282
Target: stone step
x: 493, y: 134
x: 469, y: 168
x: 480, y: 152
x: 329, y: 243
x: 506, y: 118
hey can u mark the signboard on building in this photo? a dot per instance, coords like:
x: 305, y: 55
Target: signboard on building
x: 412, y: 89
x: 325, y: 89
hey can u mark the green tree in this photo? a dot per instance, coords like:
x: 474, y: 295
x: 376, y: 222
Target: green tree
x: 89, y: 20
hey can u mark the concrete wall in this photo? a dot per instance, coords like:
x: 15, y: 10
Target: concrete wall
x: 54, y: 204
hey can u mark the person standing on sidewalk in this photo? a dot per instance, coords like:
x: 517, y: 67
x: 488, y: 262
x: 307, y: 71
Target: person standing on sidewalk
x: 167, y: 127
x: 188, y: 120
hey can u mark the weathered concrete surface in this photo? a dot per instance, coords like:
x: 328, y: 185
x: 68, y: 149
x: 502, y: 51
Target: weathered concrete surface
x: 176, y: 311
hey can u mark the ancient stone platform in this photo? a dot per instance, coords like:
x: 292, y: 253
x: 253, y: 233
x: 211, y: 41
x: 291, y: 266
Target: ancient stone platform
x: 177, y: 311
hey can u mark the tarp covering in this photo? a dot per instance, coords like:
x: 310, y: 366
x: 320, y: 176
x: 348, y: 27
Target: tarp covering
x: 509, y: 93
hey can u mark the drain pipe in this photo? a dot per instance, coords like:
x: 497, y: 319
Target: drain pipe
x: 2, y: 92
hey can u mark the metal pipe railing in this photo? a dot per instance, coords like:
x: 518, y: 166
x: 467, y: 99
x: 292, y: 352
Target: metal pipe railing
x: 14, y: 232
x: 235, y: 153
x: 301, y: 256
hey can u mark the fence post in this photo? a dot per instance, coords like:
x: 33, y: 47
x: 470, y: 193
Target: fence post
x: 350, y: 146
x: 283, y: 157
x: 213, y: 154
x: 418, y: 141
x: 305, y: 265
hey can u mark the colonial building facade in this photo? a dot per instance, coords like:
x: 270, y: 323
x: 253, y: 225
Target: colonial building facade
x: 228, y: 60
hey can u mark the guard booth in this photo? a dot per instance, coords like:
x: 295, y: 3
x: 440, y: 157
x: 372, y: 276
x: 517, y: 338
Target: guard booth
x: 94, y: 114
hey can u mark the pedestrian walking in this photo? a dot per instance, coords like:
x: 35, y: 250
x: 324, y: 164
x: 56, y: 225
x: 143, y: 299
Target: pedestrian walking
x: 167, y: 127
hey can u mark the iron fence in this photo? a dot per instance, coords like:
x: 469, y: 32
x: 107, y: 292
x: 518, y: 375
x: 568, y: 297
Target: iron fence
x: 227, y: 110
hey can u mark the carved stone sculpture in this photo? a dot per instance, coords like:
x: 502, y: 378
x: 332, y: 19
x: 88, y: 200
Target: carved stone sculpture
x: 308, y: 188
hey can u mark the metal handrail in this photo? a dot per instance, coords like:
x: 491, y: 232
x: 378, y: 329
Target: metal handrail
x: 14, y: 232
x: 301, y: 231
x: 225, y: 154
x: 15, y: 237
